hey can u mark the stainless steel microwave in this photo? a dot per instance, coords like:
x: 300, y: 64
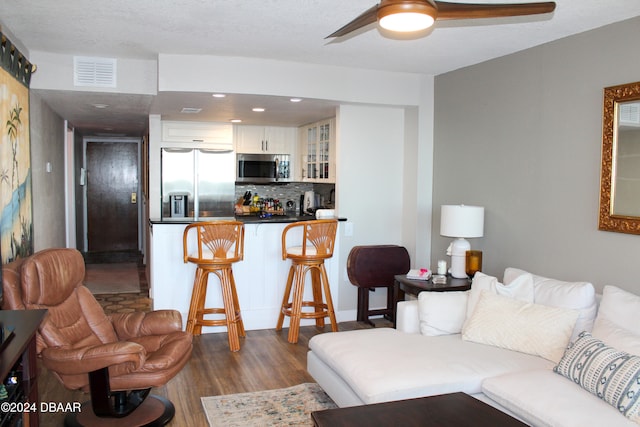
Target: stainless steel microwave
x: 263, y: 168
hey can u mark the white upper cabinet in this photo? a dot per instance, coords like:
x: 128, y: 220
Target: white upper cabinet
x: 199, y: 134
x: 317, y: 145
x: 265, y: 139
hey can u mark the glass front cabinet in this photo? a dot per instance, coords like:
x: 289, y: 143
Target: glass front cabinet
x: 318, y: 151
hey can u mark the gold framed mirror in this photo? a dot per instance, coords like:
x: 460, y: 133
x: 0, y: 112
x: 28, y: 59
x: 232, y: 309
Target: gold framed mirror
x: 620, y: 171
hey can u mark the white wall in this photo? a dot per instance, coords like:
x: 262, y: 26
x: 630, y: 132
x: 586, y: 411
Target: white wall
x: 47, y: 131
x: 370, y: 173
x: 198, y: 73
x: 521, y: 135
x: 55, y: 72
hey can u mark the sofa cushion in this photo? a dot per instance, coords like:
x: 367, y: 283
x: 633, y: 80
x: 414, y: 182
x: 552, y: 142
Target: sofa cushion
x: 610, y: 374
x: 516, y: 325
x: 521, y: 288
x: 620, y: 307
x: 616, y: 323
x: 384, y: 364
x: 442, y: 313
x: 557, y: 293
x: 542, y: 398
x: 615, y: 336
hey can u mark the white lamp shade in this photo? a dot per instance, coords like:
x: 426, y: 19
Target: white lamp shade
x: 461, y: 221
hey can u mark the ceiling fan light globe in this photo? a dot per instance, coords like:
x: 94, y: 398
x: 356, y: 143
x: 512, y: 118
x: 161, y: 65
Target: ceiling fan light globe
x: 406, y: 22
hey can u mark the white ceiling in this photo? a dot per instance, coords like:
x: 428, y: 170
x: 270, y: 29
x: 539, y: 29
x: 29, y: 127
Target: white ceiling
x: 293, y: 30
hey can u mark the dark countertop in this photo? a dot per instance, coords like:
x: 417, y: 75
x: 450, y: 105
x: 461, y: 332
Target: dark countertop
x: 247, y: 219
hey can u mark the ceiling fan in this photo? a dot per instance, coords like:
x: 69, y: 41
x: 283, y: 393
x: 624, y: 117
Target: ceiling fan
x: 416, y: 15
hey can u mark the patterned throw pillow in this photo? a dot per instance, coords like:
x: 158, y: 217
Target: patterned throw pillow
x: 610, y: 374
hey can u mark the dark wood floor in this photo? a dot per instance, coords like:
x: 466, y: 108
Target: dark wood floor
x: 265, y: 361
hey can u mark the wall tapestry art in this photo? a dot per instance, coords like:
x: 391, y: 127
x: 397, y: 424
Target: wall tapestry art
x: 16, y: 224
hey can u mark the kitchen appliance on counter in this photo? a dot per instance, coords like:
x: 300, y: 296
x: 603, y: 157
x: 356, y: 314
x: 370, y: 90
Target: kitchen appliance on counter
x: 263, y: 168
x: 309, y: 202
x: 290, y: 207
x: 204, y: 178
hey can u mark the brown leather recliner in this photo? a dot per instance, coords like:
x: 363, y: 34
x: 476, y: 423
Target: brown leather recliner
x: 11, y: 291
x: 117, y: 358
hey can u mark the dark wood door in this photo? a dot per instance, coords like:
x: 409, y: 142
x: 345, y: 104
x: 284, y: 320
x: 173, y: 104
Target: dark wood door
x: 112, y: 185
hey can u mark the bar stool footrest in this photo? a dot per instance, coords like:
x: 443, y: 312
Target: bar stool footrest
x: 324, y: 310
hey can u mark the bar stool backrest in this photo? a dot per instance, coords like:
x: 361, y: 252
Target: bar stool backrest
x: 217, y: 242
x: 318, y: 239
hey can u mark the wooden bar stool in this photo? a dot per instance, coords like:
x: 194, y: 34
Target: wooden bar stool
x: 318, y: 238
x: 219, y: 245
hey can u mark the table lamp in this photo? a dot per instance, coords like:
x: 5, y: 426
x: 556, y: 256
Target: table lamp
x: 461, y: 222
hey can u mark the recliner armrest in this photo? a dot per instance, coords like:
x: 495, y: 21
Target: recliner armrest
x: 73, y: 361
x: 159, y: 322
x: 407, y: 319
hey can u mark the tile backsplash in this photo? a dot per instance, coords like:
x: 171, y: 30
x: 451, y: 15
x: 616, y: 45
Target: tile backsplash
x: 289, y: 191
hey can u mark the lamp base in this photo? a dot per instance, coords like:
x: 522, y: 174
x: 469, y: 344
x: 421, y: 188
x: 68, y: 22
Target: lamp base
x: 458, y: 267
x: 458, y: 251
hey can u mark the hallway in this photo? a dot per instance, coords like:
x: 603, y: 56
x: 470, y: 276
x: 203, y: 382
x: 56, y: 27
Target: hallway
x: 122, y: 302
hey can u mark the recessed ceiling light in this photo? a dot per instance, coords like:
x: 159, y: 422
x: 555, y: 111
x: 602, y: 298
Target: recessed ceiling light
x: 100, y: 106
x: 258, y: 109
x: 218, y: 95
x: 235, y: 120
x: 295, y: 99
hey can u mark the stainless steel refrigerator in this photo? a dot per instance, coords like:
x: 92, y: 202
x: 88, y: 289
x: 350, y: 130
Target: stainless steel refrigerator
x: 197, y: 183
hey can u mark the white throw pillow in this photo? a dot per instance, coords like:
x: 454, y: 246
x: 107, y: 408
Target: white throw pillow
x: 442, y: 313
x: 521, y: 288
x: 616, y: 336
x: 557, y: 293
x: 481, y: 282
x: 620, y: 307
x: 517, y: 325
x: 617, y: 323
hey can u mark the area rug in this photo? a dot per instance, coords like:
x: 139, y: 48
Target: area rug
x: 112, y: 278
x: 290, y: 406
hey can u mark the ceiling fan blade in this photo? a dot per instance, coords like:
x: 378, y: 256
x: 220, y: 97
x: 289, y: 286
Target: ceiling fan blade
x: 367, y: 17
x: 447, y: 10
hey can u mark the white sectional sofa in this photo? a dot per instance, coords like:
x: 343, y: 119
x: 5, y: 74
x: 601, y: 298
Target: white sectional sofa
x: 505, y: 344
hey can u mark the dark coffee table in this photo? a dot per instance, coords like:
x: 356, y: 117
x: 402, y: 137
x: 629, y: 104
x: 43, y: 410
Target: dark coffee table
x: 446, y: 410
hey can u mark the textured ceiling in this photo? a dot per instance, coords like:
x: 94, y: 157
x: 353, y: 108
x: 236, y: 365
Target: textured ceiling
x: 291, y: 30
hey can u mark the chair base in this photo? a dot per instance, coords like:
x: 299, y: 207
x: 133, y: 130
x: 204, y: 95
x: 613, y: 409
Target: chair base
x: 295, y: 289
x: 155, y: 411
x: 231, y: 311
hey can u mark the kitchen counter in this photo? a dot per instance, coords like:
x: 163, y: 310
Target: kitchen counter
x: 260, y: 277
x: 247, y: 219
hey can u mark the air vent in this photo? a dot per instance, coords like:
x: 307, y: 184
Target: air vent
x: 95, y: 72
x: 190, y: 110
